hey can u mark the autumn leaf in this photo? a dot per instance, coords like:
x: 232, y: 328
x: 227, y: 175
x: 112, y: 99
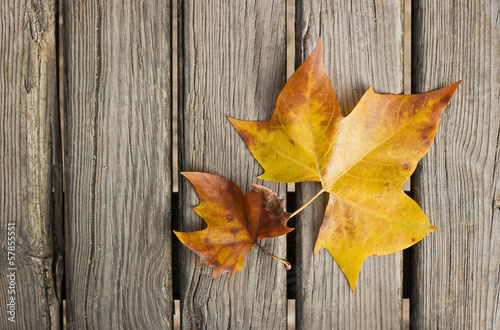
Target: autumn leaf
x: 235, y: 222
x: 361, y: 160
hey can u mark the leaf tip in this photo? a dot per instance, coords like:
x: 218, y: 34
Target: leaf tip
x: 262, y: 176
x: 353, y: 280
x: 448, y: 91
x: 188, y: 175
x: 454, y: 86
x: 235, y: 123
x: 319, y: 43
x: 181, y: 236
x: 317, y: 53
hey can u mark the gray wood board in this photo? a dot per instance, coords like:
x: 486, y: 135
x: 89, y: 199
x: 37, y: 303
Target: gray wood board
x: 31, y: 170
x: 362, y: 46
x: 231, y: 63
x: 118, y: 164
x: 456, y: 282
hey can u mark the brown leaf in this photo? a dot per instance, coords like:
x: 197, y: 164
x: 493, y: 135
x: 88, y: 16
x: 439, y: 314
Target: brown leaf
x: 235, y: 222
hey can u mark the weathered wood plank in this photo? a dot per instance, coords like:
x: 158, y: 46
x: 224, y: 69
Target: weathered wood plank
x: 117, y: 164
x: 456, y: 283
x: 31, y: 173
x: 232, y: 63
x: 363, y: 46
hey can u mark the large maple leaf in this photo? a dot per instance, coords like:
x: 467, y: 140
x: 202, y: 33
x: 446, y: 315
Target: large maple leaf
x: 235, y: 222
x: 361, y: 160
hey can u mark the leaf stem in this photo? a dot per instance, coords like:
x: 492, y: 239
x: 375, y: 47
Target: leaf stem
x: 288, y: 266
x: 307, y: 203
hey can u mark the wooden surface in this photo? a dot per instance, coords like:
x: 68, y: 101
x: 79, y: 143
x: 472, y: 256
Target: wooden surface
x: 456, y: 283
x: 232, y: 63
x: 363, y: 46
x: 30, y: 176
x: 117, y: 164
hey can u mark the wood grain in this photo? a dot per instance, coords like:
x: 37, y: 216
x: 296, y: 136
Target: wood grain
x: 363, y: 46
x: 117, y: 164
x: 231, y: 63
x: 456, y: 283
x: 31, y: 173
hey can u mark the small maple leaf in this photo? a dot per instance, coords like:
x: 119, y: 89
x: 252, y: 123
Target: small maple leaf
x: 235, y: 222
x: 361, y: 160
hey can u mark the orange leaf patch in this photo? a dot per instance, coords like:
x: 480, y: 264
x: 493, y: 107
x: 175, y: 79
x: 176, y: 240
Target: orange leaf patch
x: 361, y: 160
x: 235, y: 222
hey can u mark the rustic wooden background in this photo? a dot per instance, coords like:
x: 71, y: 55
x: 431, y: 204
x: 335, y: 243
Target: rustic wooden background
x: 89, y: 181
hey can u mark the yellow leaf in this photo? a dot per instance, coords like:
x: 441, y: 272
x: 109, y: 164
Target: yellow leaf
x: 361, y: 160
